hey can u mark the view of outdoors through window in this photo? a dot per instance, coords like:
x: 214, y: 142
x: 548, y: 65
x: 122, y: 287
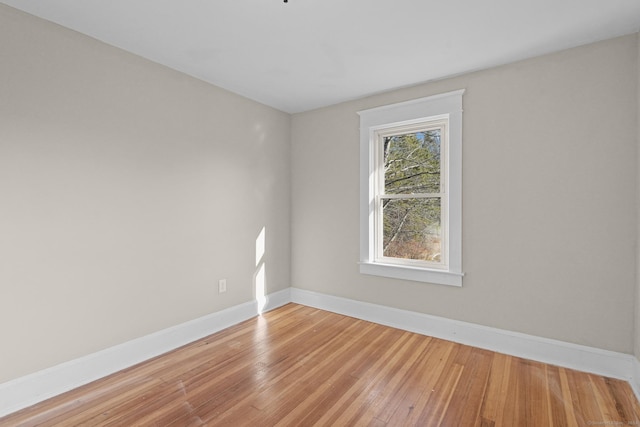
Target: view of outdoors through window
x: 412, y: 199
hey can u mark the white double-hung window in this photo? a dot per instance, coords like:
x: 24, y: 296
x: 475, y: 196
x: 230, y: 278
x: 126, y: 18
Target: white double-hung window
x: 411, y: 190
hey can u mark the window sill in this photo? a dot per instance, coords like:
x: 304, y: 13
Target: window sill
x: 412, y: 273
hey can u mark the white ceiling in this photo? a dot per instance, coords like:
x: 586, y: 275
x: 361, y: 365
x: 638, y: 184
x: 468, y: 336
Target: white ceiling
x: 311, y: 53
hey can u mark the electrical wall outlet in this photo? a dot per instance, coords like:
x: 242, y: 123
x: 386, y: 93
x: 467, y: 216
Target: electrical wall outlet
x: 222, y: 286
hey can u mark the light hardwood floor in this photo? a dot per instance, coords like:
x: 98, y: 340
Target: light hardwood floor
x: 298, y: 366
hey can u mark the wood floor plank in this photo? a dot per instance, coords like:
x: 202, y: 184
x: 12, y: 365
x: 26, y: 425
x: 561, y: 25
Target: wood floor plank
x: 466, y: 401
x: 439, y: 401
x: 433, y: 365
x: 496, y: 392
x: 300, y: 366
x: 573, y: 417
x: 415, y: 382
x: 624, y: 400
x: 273, y: 369
x: 356, y: 397
x: 555, y: 396
x: 386, y: 393
x: 297, y: 389
x: 320, y: 395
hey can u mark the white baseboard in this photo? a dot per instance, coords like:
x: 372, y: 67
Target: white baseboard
x: 277, y: 299
x: 559, y: 353
x: 31, y: 389
x: 634, y: 382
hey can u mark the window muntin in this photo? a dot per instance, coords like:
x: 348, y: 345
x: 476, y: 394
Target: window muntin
x: 410, y: 193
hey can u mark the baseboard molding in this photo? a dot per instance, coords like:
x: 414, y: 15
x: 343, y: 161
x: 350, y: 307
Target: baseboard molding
x: 559, y: 353
x: 634, y: 382
x: 31, y: 389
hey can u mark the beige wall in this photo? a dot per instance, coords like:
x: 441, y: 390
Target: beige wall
x: 637, y: 307
x: 549, y: 199
x: 126, y: 191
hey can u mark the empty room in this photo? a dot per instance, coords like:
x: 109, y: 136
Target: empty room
x: 319, y: 213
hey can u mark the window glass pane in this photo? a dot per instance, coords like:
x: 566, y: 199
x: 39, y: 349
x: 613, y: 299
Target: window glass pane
x: 412, y: 162
x: 412, y: 229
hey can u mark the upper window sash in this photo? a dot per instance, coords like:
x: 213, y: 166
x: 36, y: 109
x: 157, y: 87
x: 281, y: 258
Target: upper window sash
x: 440, y: 123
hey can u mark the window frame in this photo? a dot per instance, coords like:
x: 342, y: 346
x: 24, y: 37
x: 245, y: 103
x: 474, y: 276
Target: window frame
x: 380, y: 121
x: 379, y: 133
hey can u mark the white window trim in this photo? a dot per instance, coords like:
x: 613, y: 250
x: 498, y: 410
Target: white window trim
x: 405, y: 113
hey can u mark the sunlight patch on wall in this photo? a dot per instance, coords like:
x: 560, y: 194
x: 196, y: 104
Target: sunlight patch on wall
x: 260, y: 275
